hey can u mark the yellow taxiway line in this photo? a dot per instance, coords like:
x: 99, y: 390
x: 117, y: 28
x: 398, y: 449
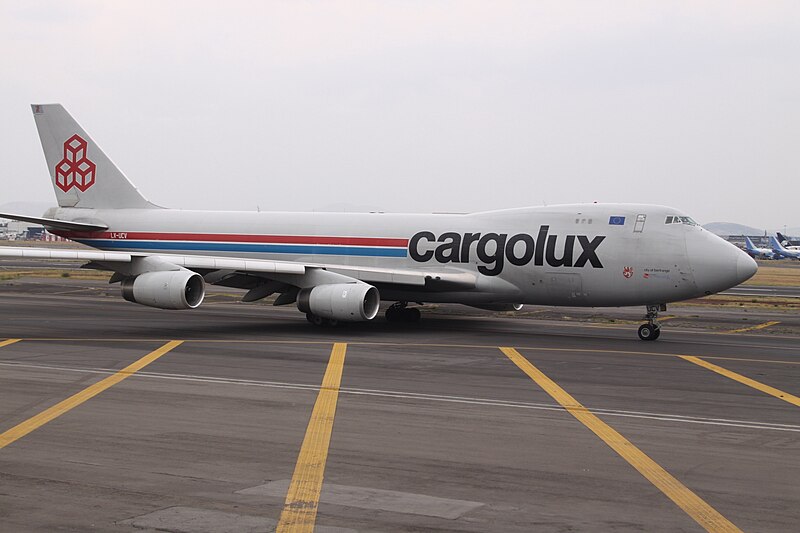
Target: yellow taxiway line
x: 751, y: 328
x: 22, y: 429
x: 8, y: 341
x: 705, y: 515
x: 785, y: 396
x: 302, y: 499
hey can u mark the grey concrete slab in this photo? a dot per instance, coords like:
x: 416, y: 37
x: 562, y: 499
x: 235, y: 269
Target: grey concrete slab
x: 192, y: 520
x: 369, y: 498
x: 428, y: 414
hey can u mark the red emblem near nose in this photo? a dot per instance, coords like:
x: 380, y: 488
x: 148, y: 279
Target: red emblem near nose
x: 75, y: 170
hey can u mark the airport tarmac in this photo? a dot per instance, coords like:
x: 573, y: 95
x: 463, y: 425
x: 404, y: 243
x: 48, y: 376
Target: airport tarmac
x: 431, y: 427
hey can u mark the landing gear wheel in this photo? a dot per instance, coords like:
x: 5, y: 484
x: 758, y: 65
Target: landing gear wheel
x: 316, y: 320
x: 398, y: 312
x: 412, y: 315
x: 652, y: 330
x: 648, y: 332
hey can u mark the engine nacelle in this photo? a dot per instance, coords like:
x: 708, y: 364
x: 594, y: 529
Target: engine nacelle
x: 346, y: 302
x: 173, y: 289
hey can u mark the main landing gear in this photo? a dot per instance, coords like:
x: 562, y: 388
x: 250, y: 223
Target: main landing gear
x: 400, y: 312
x: 652, y: 330
x: 319, y: 321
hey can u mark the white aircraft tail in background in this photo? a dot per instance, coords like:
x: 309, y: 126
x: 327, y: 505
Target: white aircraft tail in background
x: 756, y: 252
x: 339, y: 266
x: 781, y: 250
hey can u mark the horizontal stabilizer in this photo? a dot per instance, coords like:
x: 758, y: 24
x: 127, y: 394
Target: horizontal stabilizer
x: 55, y: 223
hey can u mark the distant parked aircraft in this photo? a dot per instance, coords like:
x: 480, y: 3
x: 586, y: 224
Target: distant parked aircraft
x: 756, y: 252
x: 792, y: 243
x: 779, y: 248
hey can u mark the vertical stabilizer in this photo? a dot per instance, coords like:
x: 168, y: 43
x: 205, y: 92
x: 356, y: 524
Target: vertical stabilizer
x: 776, y: 245
x: 81, y: 173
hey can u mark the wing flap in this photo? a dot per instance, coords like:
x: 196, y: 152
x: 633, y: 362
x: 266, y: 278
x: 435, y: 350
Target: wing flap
x: 451, y: 280
x: 186, y: 261
x: 60, y: 254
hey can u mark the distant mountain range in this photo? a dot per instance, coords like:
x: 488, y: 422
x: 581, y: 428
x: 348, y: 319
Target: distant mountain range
x: 731, y: 228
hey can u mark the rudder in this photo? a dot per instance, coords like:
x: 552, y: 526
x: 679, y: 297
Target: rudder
x: 81, y: 173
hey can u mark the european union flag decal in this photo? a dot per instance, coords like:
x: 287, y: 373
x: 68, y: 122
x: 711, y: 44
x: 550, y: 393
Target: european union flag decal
x: 616, y: 221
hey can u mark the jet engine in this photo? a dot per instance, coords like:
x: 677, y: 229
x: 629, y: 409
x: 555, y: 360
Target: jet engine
x: 173, y: 289
x: 346, y: 302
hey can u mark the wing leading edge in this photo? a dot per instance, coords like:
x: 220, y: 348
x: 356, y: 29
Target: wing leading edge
x: 284, y: 271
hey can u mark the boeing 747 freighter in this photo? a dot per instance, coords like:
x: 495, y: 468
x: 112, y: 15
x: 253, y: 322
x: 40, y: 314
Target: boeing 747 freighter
x: 338, y: 267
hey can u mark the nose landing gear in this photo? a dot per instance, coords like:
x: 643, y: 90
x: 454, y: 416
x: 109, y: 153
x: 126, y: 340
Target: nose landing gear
x: 652, y: 330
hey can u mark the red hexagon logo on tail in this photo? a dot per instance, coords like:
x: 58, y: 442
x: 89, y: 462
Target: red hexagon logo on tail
x: 75, y: 170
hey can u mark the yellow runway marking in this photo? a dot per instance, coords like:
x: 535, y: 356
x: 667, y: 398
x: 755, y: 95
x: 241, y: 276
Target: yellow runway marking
x: 300, y: 510
x: 8, y: 341
x: 752, y: 328
x: 705, y: 515
x: 785, y: 396
x: 22, y: 429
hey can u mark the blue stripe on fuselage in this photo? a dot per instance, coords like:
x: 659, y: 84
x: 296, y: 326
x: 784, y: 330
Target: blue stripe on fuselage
x: 312, y: 249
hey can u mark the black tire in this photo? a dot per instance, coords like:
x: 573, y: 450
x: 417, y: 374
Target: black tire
x: 648, y: 332
x: 317, y: 320
x: 310, y: 317
x: 657, y: 332
x: 331, y: 322
x: 411, y: 315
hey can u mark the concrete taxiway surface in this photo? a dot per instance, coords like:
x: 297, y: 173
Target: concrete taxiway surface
x: 431, y: 427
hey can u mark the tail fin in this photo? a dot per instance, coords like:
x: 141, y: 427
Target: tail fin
x: 782, y: 238
x: 82, y: 174
x: 749, y: 244
x: 776, y: 245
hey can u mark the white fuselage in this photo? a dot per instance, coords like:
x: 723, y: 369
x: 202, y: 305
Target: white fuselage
x: 583, y: 255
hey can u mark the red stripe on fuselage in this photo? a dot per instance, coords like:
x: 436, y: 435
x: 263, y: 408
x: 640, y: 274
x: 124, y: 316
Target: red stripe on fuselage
x: 226, y: 237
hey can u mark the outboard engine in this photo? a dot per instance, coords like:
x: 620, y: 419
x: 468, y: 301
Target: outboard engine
x: 173, y: 289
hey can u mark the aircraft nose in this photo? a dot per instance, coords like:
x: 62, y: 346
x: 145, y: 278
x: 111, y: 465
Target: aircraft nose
x: 746, y: 267
x: 716, y: 264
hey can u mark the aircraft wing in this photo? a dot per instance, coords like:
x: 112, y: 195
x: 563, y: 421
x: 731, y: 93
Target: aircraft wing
x: 216, y: 269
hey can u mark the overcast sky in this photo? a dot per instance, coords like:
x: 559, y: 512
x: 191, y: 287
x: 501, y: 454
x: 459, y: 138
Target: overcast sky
x: 417, y: 106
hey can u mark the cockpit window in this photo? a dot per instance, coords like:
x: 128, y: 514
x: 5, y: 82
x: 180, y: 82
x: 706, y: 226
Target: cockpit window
x: 680, y: 220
